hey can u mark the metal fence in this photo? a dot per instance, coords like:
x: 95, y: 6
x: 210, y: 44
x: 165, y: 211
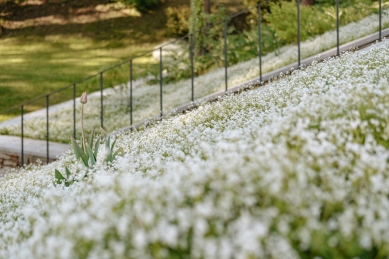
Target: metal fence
x: 222, y: 57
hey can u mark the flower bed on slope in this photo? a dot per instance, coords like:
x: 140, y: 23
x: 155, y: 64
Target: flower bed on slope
x: 296, y: 169
x: 146, y: 97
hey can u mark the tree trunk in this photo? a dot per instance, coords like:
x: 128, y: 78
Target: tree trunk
x: 307, y: 2
x: 207, y: 6
x: 197, y: 24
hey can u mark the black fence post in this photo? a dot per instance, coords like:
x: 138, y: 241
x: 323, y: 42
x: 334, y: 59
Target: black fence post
x: 101, y: 100
x: 298, y: 34
x: 131, y: 92
x: 191, y: 65
x: 380, y: 19
x: 337, y: 28
x: 47, y: 129
x: 260, y: 44
x: 22, y: 133
x: 225, y: 55
x: 160, y: 80
x: 74, y: 111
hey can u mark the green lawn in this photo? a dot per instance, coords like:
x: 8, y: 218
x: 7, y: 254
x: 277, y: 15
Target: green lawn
x: 38, y: 66
x: 52, y: 44
x: 49, y: 46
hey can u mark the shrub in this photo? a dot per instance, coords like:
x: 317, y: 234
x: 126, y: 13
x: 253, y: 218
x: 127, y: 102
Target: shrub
x: 286, y: 28
x: 177, y: 20
x: 141, y: 5
x: 242, y: 45
x: 265, y: 8
x: 343, y: 2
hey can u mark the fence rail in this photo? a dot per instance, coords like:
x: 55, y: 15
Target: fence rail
x: 159, y: 72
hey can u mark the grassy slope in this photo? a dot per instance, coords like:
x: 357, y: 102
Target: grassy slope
x: 41, y: 56
x: 297, y: 169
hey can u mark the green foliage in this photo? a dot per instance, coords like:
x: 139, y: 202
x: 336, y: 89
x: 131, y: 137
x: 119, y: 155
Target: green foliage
x: 87, y: 153
x: 242, y: 45
x: 286, y: 28
x: 177, y: 20
x: 110, y: 156
x: 196, y: 24
x: 141, y: 5
x: 265, y: 8
x: 59, y: 179
x: 88, y: 150
x: 343, y: 2
x: 325, y: 2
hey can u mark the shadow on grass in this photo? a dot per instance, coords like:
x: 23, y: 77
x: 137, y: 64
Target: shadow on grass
x: 96, y: 19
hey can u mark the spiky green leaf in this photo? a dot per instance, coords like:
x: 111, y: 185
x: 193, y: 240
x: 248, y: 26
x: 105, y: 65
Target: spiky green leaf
x: 59, y: 177
x: 78, y: 151
x: 67, y: 172
x: 92, y: 157
x: 113, y: 144
x: 96, y: 150
x: 76, y: 147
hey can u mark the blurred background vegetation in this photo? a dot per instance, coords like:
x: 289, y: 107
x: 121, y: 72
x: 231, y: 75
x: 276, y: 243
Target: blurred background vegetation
x: 48, y: 44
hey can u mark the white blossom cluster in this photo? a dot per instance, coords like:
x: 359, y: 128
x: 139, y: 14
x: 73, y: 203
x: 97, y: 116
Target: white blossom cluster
x: 146, y: 97
x: 295, y: 169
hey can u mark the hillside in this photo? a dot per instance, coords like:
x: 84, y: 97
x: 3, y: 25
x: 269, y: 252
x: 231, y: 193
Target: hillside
x: 46, y: 45
x: 146, y: 95
x: 296, y: 169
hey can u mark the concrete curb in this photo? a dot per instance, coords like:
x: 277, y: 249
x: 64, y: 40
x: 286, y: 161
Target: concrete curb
x: 34, y: 151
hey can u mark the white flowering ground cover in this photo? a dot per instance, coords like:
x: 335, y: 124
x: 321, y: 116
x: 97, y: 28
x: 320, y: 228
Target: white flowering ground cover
x: 296, y: 169
x: 146, y: 97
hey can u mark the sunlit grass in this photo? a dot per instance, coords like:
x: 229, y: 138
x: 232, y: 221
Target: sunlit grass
x: 5, y: 117
x: 35, y: 67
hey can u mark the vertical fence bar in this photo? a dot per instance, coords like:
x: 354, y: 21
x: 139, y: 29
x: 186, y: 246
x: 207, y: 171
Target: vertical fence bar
x: 191, y: 65
x: 22, y: 133
x: 101, y: 100
x: 131, y: 92
x: 260, y: 44
x: 298, y: 34
x: 74, y: 111
x: 47, y: 129
x: 337, y: 28
x: 160, y: 80
x: 380, y: 19
x: 225, y: 55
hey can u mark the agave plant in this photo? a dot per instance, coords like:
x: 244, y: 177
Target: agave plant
x: 110, y: 156
x: 60, y: 179
x: 88, y: 152
x: 89, y: 148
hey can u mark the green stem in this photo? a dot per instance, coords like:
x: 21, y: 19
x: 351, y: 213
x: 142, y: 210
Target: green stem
x: 82, y: 126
